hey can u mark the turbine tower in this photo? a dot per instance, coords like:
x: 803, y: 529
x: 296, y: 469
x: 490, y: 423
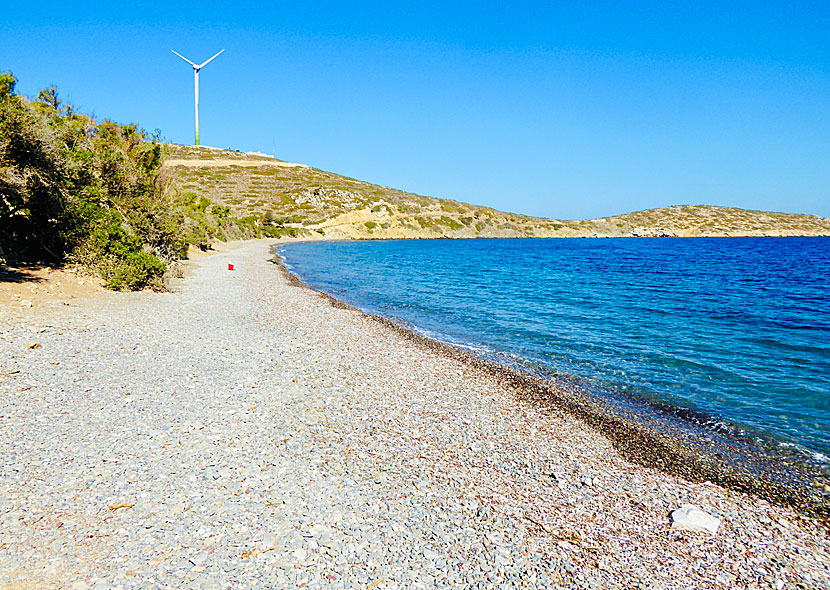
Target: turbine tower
x: 196, y: 69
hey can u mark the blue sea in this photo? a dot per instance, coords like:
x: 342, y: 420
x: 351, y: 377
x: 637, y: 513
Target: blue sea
x: 732, y: 334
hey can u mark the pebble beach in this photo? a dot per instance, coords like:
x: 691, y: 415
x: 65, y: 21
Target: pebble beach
x: 241, y: 431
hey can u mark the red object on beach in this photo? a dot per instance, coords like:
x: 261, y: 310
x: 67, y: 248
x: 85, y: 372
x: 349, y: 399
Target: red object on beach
x: 230, y: 267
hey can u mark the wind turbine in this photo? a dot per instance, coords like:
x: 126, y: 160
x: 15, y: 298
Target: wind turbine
x: 196, y: 69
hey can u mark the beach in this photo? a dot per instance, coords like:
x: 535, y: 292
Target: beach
x: 242, y: 431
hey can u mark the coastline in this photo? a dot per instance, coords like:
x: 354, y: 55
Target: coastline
x: 256, y: 435
x: 643, y: 433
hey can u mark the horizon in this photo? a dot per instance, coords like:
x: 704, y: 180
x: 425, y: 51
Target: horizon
x: 563, y: 112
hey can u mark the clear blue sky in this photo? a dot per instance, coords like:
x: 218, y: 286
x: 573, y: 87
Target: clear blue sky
x: 559, y: 109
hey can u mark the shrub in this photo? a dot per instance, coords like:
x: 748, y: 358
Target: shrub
x: 74, y: 189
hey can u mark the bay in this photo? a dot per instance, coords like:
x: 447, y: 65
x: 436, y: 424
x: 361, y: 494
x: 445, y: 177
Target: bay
x: 731, y: 333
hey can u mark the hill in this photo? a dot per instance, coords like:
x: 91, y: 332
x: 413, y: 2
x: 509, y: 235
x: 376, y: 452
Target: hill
x: 276, y: 197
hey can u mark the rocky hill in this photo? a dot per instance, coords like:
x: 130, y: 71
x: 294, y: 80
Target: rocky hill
x: 280, y: 197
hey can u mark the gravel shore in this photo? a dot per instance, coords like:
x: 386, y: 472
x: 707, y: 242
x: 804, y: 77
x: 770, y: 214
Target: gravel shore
x: 241, y: 432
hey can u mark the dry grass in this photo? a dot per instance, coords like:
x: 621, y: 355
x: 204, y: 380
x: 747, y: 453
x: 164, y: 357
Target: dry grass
x: 296, y: 196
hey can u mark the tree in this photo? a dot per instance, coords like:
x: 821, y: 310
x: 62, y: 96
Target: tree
x: 49, y: 97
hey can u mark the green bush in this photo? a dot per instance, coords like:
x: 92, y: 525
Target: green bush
x: 76, y: 190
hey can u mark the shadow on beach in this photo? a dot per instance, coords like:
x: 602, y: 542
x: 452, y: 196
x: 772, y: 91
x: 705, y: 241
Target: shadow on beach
x: 20, y: 275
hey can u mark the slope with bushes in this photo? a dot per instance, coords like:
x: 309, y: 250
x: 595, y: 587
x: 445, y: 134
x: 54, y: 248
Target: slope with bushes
x: 77, y: 190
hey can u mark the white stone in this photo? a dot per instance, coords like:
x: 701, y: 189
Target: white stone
x: 692, y: 518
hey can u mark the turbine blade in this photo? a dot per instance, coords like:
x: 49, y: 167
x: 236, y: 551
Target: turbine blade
x: 210, y: 60
x: 185, y: 59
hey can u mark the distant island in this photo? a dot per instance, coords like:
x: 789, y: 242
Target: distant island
x: 280, y: 198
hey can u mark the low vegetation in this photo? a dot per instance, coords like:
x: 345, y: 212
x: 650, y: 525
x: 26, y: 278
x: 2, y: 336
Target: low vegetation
x: 73, y: 189
x: 77, y: 190
x: 305, y: 198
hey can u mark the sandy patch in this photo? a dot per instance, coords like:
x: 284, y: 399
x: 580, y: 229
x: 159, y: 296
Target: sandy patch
x: 33, y: 287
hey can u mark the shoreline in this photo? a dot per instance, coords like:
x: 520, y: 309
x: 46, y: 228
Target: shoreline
x: 648, y: 441
x: 239, y: 431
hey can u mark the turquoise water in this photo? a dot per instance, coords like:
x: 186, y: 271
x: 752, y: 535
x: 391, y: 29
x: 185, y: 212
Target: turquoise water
x: 730, y: 333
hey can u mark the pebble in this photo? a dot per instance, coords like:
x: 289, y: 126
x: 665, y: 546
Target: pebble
x: 692, y: 518
x: 271, y: 440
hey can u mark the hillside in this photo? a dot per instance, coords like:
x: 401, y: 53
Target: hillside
x: 81, y: 191
x: 279, y: 197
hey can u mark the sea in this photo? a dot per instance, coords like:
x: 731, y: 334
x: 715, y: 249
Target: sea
x: 731, y: 335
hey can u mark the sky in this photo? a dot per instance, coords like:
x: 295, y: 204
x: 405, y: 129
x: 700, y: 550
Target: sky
x: 568, y: 110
